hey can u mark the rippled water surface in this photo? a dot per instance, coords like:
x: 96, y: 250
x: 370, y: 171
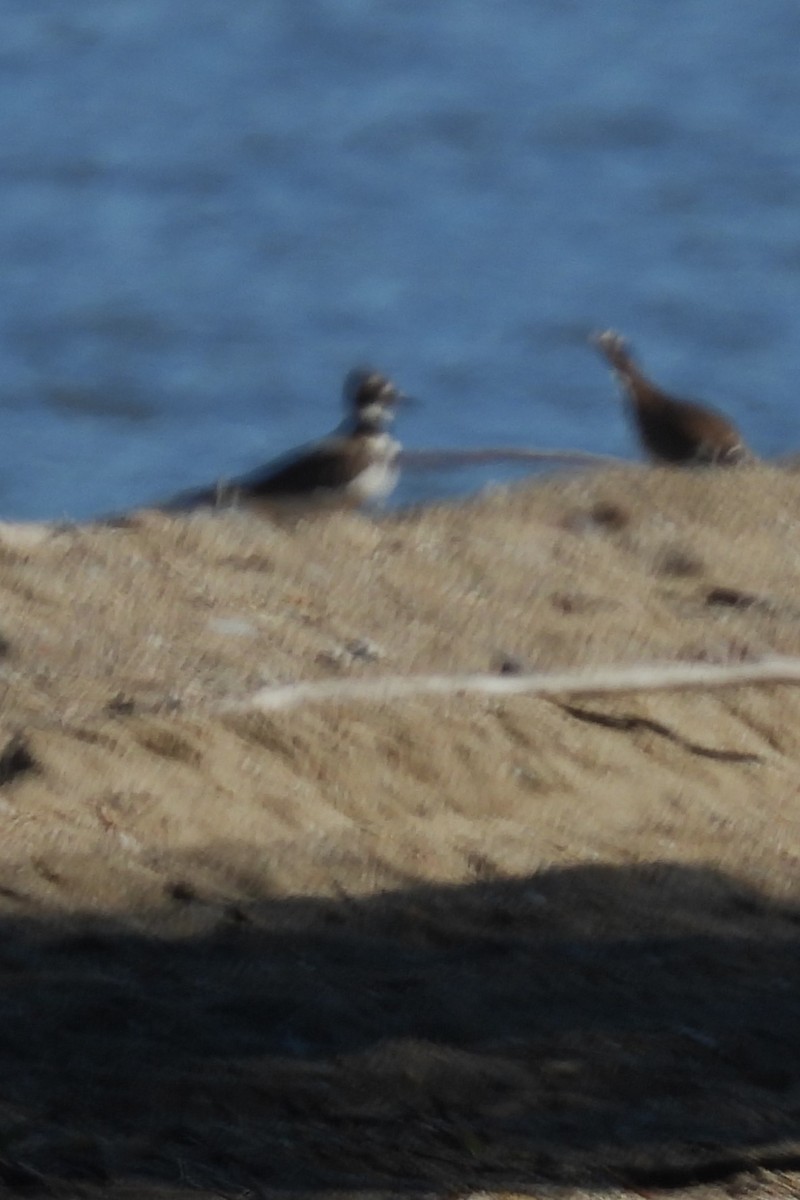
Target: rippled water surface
x: 209, y: 211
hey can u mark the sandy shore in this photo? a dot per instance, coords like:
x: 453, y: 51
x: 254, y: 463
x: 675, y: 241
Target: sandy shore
x: 438, y: 944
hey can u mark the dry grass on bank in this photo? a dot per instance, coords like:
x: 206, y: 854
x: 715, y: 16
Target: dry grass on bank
x: 438, y: 945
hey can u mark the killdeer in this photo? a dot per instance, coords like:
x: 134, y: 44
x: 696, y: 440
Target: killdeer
x: 671, y: 430
x: 355, y: 464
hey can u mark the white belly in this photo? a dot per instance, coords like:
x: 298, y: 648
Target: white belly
x: 380, y: 477
x: 375, y: 481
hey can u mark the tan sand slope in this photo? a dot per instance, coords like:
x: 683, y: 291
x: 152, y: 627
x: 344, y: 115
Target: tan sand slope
x: 442, y: 943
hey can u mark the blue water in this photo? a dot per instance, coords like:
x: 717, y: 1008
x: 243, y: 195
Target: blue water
x: 210, y: 209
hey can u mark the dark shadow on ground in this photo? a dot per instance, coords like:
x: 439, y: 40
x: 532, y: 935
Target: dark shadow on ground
x: 593, y: 1025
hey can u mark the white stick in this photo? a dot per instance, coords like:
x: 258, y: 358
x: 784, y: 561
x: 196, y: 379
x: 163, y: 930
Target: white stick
x: 601, y: 681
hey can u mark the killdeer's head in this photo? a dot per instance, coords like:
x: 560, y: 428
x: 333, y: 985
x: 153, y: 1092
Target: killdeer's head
x: 371, y: 398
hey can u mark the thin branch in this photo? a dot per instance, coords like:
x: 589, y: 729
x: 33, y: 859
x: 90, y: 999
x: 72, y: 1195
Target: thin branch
x: 430, y: 459
x: 601, y: 681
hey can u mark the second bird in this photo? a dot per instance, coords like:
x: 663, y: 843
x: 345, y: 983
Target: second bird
x: 671, y: 430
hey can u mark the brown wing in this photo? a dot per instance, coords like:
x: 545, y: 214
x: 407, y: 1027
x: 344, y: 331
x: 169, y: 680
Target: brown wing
x: 326, y: 466
x: 681, y: 431
x: 331, y: 465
